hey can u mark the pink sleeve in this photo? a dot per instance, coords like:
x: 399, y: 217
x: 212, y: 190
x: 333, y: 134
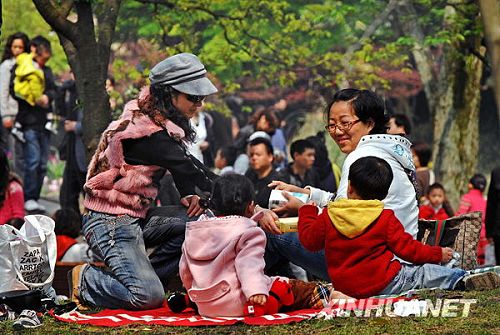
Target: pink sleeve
x: 16, y: 199
x: 464, y: 206
x: 250, y: 262
x: 184, y: 272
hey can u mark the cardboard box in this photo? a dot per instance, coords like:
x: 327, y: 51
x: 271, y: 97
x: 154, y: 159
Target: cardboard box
x: 287, y: 225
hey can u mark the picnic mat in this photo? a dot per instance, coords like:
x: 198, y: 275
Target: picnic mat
x: 163, y: 316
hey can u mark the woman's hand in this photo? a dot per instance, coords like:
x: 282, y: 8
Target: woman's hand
x: 268, y: 220
x: 279, y: 185
x: 258, y: 299
x: 291, y: 207
x: 192, y: 202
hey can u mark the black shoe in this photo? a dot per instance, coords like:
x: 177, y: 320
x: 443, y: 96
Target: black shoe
x: 6, y: 313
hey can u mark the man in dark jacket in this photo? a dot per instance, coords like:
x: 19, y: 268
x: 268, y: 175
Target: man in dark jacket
x: 301, y: 172
x: 37, y: 137
x: 261, y: 171
x: 492, y: 220
x: 73, y: 149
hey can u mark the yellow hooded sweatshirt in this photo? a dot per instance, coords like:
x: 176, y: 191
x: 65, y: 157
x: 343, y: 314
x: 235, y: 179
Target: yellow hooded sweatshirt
x: 352, y: 217
x: 29, y: 81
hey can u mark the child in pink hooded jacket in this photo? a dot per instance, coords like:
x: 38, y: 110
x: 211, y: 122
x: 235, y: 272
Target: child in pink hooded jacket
x: 222, y: 263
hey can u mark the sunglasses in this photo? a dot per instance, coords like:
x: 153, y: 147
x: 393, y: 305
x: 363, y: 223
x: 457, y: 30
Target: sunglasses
x: 195, y: 98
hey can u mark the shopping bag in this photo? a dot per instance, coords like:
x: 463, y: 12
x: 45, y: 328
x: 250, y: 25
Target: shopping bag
x: 461, y: 233
x: 30, y: 253
x: 8, y: 280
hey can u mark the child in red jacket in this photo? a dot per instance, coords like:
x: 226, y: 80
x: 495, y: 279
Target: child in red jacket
x: 434, y: 210
x: 361, y: 238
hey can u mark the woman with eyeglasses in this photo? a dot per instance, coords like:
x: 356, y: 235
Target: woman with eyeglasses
x: 357, y: 123
x: 134, y: 152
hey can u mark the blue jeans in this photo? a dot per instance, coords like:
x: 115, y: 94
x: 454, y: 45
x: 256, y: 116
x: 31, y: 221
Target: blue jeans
x: 130, y: 279
x: 424, y: 276
x: 36, y: 154
x: 287, y: 248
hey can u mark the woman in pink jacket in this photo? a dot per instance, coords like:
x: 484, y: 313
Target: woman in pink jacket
x: 11, y: 195
x: 222, y: 263
x: 473, y: 201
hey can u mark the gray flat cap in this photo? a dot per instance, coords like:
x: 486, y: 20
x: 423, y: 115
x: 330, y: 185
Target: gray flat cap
x: 185, y: 73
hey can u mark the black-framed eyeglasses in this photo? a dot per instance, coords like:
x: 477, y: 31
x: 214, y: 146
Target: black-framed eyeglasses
x: 342, y: 126
x: 195, y: 98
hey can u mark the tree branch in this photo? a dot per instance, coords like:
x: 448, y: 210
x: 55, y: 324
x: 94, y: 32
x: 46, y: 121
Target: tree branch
x: 107, y: 21
x: 380, y: 19
x: 55, y: 18
x: 421, y: 53
x: 158, y: 2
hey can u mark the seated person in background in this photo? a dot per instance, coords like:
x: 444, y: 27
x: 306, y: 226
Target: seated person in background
x: 328, y: 171
x: 301, y: 172
x: 422, y: 154
x: 361, y: 238
x: 70, y: 244
x: 11, y: 195
x: 399, y: 124
x: 434, y: 210
x: 224, y: 160
x: 261, y: 171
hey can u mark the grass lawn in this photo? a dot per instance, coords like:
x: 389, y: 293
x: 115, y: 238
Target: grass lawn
x: 484, y: 318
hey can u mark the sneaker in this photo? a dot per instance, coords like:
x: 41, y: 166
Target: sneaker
x: 74, y: 280
x: 50, y: 126
x: 41, y: 208
x: 6, y: 313
x: 32, y: 205
x: 482, y: 281
x: 27, y: 320
x: 18, y: 134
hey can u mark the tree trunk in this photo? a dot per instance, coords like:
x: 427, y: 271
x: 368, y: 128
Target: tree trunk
x: 88, y: 49
x: 456, y: 119
x: 453, y: 94
x: 490, y: 12
x: 1, y: 18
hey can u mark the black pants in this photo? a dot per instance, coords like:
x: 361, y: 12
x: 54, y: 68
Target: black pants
x: 72, y: 186
x: 496, y: 241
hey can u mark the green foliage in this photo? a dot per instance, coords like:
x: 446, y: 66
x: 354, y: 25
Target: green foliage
x: 55, y: 169
x: 275, y: 42
x: 21, y: 15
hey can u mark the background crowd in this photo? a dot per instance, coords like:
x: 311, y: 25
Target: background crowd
x: 33, y: 106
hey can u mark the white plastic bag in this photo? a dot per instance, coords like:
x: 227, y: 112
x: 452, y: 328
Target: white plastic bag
x: 28, y: 255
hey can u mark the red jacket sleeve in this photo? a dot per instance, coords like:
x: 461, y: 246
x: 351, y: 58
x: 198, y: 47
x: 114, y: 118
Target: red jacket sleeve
x: 404, y: 246
x: 311, y: 228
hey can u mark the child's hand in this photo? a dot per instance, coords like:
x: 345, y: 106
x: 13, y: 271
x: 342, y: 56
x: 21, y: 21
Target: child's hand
x: 258, y: 299
x: 447, y: 255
